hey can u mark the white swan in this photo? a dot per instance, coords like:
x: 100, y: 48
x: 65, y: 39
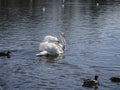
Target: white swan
x: 52, y: 46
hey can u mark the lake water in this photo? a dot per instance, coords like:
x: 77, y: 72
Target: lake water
x: 92, y: 33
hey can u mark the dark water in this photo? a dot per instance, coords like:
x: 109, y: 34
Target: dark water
x: 93, y: 43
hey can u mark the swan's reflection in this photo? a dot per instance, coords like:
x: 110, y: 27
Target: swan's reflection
x: 51, y: 59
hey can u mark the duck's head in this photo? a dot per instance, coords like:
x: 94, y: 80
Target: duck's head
x: 96, y: 77
x: 8, y: 52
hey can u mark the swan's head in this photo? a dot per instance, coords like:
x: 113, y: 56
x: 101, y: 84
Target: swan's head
x: 62, y: 34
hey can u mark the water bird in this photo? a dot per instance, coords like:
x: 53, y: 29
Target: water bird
x: 115, y: 79
x: 52, y: 46
x: 91, y: 82
x: 43, y: 9
x: 63, y: 5
x: 97, y: 4
x: 5, y: 54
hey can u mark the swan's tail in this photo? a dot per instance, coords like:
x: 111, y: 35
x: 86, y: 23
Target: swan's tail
x: 43, y: 53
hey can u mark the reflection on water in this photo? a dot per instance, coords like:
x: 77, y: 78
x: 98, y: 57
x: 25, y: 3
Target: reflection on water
x: 91, y: 30
x: 51, y: 59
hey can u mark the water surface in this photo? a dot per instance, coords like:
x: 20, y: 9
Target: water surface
x: 92, y: 34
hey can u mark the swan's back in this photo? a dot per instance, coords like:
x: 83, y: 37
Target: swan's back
x: 51, y: 48
x: 50, y: 39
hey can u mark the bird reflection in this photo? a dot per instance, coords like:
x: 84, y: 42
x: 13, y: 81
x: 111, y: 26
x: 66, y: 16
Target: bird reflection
x: 51, y: 59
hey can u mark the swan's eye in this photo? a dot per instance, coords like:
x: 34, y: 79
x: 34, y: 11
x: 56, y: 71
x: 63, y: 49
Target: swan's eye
x: 58, y: 41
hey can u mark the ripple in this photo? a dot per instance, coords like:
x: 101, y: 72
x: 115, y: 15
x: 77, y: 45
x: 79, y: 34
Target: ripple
x: 92, y: 37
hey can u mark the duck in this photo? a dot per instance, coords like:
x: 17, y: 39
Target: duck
x: 91, y: 82
x: 5, y: 53
x: 115, y: 79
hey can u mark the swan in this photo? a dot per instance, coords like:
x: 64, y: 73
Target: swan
x: 52, y: 46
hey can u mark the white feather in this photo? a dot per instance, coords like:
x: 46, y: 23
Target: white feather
x: 50, y: 39
x: 42, y: 53
x: 51, y: 46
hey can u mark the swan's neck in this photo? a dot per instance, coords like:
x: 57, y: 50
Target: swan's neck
x: 59, y: 48
x: 63, y: 41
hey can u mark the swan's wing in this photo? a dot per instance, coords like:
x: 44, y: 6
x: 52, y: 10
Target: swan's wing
x: 42, y: 46
x: 50, y: 39
x: 51, y: 48
x: 42, y: 53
